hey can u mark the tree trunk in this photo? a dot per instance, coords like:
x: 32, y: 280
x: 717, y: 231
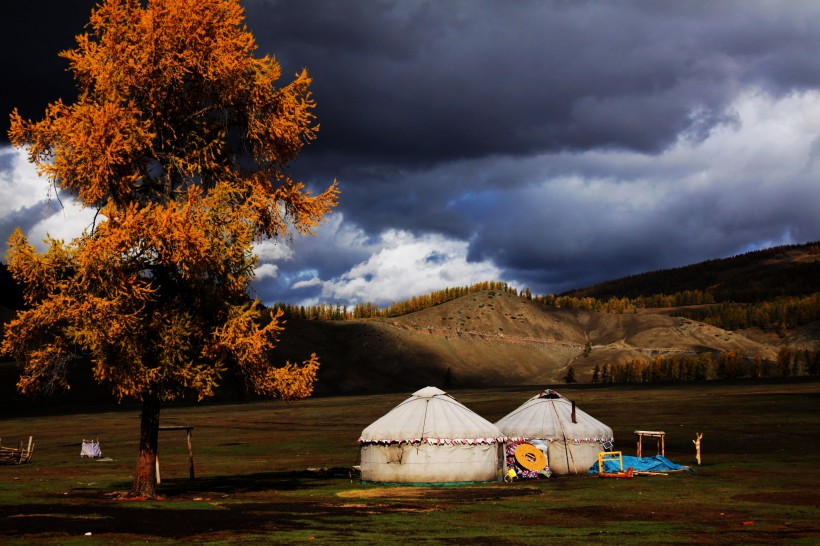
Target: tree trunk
x: 145, y: 476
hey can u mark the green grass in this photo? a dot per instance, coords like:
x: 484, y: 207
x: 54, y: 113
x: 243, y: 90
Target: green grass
x: 270, y: 472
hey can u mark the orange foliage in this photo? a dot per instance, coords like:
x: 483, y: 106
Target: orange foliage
x: 181, y: 140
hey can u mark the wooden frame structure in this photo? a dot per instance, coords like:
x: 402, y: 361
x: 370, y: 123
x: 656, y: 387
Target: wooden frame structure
x: 659, y: 435
x: 190, y: 449
x: 17, y: 455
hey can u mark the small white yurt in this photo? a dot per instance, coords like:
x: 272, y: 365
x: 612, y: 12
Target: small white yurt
x: 430, y: 438
x: 570, y: 437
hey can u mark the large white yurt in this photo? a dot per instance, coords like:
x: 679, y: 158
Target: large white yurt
x: 572, y: 438
x: 430, y: 438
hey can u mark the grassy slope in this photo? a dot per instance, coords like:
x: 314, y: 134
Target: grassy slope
x: 753, y: 276
x: 491, y: 338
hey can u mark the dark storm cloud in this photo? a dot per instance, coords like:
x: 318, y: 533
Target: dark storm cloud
x: 26, y: 218
x: 403, y: 87
x: 577, y: 230
x: 32, y: 33
x: 417, y: 82
x: 567, y: 142
x: 420, y: 82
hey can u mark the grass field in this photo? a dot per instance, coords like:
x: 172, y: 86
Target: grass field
x: 271, y: 472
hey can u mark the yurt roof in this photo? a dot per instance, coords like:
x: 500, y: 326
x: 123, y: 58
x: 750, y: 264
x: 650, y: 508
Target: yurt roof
x: 548, y: 415
x: 431, y: 415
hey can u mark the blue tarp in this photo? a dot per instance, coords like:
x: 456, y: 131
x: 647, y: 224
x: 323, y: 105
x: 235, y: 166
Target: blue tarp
x: 658, y: 463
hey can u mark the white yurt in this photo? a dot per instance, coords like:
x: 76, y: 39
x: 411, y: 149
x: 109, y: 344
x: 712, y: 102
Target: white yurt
x: 570, y: 438
x: 430, y: 438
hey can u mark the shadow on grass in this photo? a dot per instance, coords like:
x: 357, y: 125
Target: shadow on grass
x: 234, y: 508
x: 259, y: 481
x: 191, y: 507
x: 165, y: 520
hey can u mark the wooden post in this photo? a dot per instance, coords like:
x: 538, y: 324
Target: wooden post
x: 190, y: 455
x: 696, y: 441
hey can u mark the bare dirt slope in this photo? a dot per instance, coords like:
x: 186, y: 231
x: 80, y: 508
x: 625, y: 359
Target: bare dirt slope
x: 492, y: 338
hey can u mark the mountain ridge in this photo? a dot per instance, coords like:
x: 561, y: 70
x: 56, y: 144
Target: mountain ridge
x: 771, y: 272
x: 495, y: 337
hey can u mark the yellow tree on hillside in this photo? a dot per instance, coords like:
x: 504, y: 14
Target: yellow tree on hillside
x: 181, y: 139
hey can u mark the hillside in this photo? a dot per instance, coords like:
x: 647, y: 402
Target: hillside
x: 493, y: 338
x: 790, y: 270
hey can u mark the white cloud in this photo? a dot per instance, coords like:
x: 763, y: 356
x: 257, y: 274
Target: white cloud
x: 575, y: 217
x: 267, y: 270
x: 745, y: 173
x: 272, y: 250
x: 66, y: 223
x: 315, y: 281
x: 603, y: 214
x: 407, y: 265
x: 20, y: 185
x: 29, y: 202
x: 565, y: 220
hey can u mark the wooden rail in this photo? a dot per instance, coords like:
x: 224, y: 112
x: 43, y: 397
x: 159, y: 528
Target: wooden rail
x: 17, y: 455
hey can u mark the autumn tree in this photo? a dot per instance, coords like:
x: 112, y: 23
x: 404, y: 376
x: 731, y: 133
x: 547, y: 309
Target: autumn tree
x: 181, y: 139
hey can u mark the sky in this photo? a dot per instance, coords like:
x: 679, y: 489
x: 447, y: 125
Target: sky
x: 548, y: 144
